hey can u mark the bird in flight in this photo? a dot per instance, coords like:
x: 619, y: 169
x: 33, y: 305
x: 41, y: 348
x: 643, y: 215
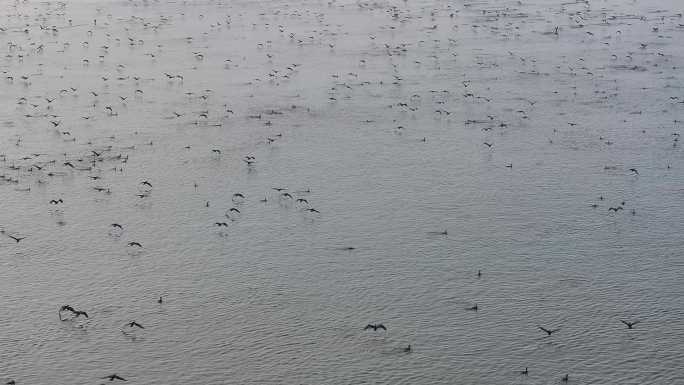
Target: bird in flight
x: 134, y: 244
x: 134, y: 324
x: 548, y: 331
x: 79, y: 312
x: 629, y: 324
x: 17, y: 239
x: 375, y: 327
x: 117, y: 225
x: 113, y: 377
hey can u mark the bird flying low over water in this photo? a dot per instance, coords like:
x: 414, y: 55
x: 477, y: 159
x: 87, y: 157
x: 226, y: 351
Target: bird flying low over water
x: 113, y: 377
x: 134, y: 244
x: 79, y: 313
x: 73, y: 311
x: 629, y: 324
x: 375, y: 327
x: 17, y: 239
x: 133, y: 324
x: 548, y: 331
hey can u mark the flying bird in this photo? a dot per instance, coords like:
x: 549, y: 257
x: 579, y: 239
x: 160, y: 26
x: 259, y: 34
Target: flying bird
x: 548, y: 331
x: 17, y: 239
x: 134, y: 324
x: 113, y: 377
x: 629, y: 324
x: 375, y: 327
x: 79, y: 312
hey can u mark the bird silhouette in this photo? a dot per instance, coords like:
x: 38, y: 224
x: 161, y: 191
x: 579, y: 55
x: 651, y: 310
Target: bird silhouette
x: 17, y: 239
x: 134, y: 324
x: 79, y: 313
x: 113, y: 377
x: 548, y: 331
x: 134, y: 244
x: 629, y: 324
x: 375, y: 327
x: 117, y: 225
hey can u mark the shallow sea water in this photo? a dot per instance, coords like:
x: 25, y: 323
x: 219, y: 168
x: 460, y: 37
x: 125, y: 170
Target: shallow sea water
x: 376, y: 113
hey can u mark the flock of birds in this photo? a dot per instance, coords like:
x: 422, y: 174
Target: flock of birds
x: 64, y: 115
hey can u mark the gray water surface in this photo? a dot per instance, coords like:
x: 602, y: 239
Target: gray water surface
x: 377, y: 113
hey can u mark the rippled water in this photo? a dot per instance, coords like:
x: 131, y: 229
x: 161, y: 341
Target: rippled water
x: 376, y: 114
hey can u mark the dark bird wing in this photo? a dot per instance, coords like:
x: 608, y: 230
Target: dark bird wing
x: 546, y: 330
x: 381, y: 326
x: 369, y: 326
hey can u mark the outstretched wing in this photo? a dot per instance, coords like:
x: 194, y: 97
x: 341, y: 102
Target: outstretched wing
x: 369, y: 326
x: 381, y: 326
x: 546, y: 330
